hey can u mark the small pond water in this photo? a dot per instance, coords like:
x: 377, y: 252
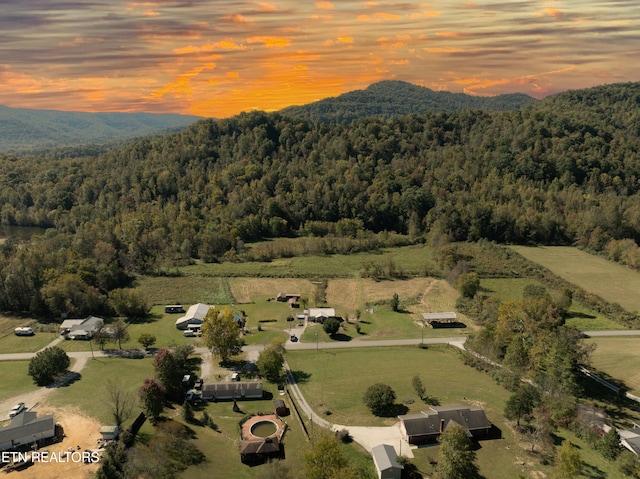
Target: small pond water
x: 263, y: 429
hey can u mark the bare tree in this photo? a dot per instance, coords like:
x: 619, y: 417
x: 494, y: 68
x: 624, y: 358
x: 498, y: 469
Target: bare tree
x: 121, y: 401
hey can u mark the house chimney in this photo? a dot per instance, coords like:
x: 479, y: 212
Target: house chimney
x: 441, y: 425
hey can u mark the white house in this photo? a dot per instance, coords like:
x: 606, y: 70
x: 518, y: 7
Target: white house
x: 319, y: 315
x: 82, y: 328
x: 194, y: 316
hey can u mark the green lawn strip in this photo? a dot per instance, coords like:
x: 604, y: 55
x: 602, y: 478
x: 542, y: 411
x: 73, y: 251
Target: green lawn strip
x: 618, y: 358
x: 185, y: 290
x: 613, y: 282
x: 15, y: 380
x: 412, y: 260
x: 89, y: 392
x: 580, y: 316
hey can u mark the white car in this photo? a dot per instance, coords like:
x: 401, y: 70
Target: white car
x: 17, y: 409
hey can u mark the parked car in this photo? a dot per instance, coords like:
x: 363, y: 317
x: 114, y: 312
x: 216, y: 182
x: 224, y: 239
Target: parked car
x: 294, y: 338
x: 198, y: 383
x: 194, y: 397
x: 235, y: 377
x: 17, y: 409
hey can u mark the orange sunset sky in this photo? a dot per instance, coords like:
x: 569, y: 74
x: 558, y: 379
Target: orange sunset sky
x: 216, y: 58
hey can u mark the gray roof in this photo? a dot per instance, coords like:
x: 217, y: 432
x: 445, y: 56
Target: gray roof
x: 429, y: 422
x: 234, y: 386
x: 385, y: 457
x: 439, y: 316
x: 26, y: 424
x: 195, y: 314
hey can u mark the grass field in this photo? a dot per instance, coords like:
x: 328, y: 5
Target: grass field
x: 619, y: 358
x: 15, y: 379
x: 580, y: 316
x: 10, y: 343
x: 613, y: 282
x: 412, y: 260
x: 185, y: 290
x: 336, y: 380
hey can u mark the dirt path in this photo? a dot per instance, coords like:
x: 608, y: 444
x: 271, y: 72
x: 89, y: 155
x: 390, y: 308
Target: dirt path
x: 38, y: 396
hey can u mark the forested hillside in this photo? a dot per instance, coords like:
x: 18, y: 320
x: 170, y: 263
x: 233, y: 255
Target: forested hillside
x: 563, y: 170
x: 23, y: 129
x: 393, y: 98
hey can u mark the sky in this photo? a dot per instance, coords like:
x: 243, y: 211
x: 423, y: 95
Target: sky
x: 217, y: 58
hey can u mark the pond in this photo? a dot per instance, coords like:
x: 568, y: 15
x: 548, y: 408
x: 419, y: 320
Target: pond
x: 264, y: 429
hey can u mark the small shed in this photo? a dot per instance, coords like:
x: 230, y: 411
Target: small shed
x: 386, y: 462
x: 280, y: 407
x: 109, y: 433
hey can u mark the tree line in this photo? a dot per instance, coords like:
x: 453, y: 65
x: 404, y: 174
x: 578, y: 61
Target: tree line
x: 563, y: 170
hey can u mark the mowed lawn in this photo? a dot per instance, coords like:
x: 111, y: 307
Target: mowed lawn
x: 613, y: 282
x: 15, y: 379
x: 335, y: 381
x: 618, y: 357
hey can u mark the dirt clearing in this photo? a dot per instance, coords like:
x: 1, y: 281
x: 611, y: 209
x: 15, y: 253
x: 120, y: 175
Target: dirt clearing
x: 80, y: 431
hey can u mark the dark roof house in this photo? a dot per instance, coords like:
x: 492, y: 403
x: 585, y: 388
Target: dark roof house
x: 427, y: 426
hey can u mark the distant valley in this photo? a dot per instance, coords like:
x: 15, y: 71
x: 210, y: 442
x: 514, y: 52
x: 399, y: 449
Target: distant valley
x: 24, y: 129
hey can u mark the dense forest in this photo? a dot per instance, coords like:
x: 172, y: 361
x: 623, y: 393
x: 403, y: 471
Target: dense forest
x: 392, y: 98
x: 563, y: 170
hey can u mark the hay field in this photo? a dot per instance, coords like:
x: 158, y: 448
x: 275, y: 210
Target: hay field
x: 245, y: 289
x: 612, y: 282
x: 352, y: 294
x: 619, y: 358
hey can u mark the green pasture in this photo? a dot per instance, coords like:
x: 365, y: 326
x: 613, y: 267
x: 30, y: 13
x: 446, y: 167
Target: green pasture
x: 185, y: 290
x: 580, y: 316
x: 15, y: 379
x: 612, y: 282
x: 89, y: 392
x: 10, y: 343
x: 412, y: 260
x: 335, y: 381
x: 619, y: 358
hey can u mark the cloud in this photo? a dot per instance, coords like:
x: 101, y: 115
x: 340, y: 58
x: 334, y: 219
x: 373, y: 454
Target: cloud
x: 269, y: 42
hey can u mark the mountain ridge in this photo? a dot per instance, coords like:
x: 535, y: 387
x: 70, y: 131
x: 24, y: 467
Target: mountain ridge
x: 395, y: 97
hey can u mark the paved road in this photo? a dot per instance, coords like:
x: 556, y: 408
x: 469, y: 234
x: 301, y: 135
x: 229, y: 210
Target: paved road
x: 611, y: 333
